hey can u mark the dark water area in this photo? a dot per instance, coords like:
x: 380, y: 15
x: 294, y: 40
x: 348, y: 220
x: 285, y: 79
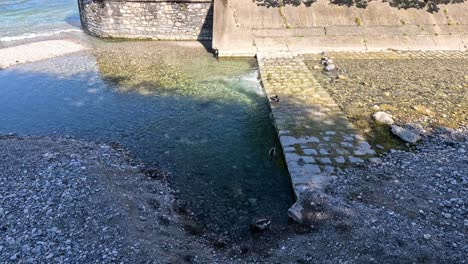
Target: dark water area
x: 212, y: 132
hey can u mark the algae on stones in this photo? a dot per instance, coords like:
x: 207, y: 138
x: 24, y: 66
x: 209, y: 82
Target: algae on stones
x: 165, y: 69
x: 428, y: 91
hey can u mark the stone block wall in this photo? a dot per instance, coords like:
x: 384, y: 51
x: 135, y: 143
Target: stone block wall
x: 148, y: 19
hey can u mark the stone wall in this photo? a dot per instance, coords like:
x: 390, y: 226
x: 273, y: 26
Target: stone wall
x: 148, y: 19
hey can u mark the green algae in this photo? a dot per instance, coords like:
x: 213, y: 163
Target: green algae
x: 155, y: 68
x: 430, y: 92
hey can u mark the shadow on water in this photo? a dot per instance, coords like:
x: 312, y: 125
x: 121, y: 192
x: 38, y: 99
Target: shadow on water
x: 211, y: 131
x: 73, y: 20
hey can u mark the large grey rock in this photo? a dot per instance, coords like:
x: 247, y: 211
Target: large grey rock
x: 295, y: 212
x: 405, y: 134
x: 383, y: 118
x: 316, y: 207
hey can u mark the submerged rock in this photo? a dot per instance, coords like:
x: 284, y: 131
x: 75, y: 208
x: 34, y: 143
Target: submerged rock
x: 405, y: 134
x: 383, y: 118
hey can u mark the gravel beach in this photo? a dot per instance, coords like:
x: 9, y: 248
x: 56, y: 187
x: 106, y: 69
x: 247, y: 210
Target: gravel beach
x: 70, y: 201
x: 37, y: 51
x: 409, y: 208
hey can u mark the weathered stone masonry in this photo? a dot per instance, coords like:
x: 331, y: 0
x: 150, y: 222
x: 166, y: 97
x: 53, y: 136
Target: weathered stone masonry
x: 148, y: 19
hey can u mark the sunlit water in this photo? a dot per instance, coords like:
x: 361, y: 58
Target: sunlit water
x: 211, y: 129
x: 23, y: 19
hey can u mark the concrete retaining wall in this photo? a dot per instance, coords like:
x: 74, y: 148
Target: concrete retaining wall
x: 245, y: 27
x: 148, y: 19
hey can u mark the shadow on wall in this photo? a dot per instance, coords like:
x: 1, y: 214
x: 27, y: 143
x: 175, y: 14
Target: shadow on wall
x: 206, y: 32
x: 430, y: 5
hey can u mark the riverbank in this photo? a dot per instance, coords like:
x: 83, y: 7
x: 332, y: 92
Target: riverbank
x: 371, y: 211
x: 408, y: 208
x: 37, y: 51
x: 65, y: 200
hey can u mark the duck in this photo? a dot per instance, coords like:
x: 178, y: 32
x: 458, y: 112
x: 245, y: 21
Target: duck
x: 261, y: 224
x: 323, y: 61
x: 274, y: 98
x: 324, y: 58
x: 272, y: 153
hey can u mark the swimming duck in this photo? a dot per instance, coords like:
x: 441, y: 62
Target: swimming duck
x: 272, y: 153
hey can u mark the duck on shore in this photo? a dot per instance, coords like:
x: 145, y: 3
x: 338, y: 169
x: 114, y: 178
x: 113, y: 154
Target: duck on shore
x: 274, y: 98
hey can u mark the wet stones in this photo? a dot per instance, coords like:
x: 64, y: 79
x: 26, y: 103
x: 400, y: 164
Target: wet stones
x: 404, y: 134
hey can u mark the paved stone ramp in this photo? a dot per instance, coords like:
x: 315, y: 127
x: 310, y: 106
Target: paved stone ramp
x: 316, y: 137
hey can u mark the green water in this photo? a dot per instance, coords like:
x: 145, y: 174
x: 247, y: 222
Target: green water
x: 205, y: 121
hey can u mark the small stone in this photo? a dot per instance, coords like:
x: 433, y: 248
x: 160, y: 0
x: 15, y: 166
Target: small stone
x: 427, y: 236
x: 310, y: 151
x: 340, y: 160
x: 447, y: 215
x: 355, y: 160
x: 325, y: 160
x: 342, y: 77
x: 383, y: 118
x: 330, y: 67
x: 375, y: 107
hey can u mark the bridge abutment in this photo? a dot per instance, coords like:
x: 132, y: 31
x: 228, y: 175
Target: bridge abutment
x: 148, y: 19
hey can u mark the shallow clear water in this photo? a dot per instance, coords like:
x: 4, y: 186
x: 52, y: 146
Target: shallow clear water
x: 213, y: 134
x: 21, y: 19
